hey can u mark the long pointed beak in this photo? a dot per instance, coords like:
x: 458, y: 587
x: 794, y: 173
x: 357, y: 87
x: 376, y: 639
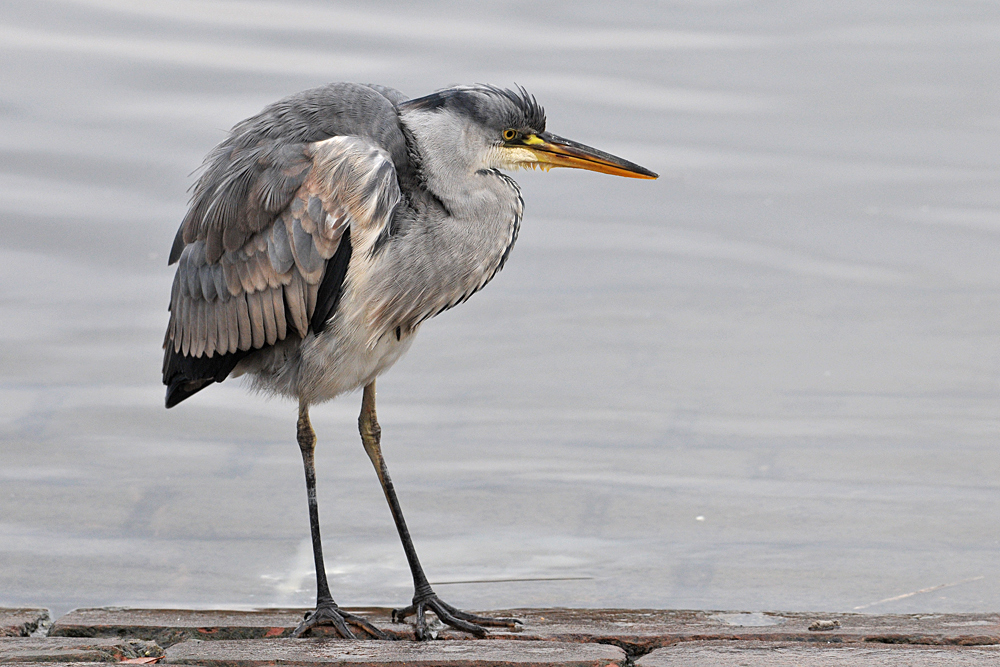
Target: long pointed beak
x: 553, y: 151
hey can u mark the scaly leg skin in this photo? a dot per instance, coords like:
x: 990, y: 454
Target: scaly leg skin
x: 424, y: 598
x: 327, y: 612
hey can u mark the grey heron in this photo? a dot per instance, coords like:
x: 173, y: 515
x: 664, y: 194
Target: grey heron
x: 323, y: 231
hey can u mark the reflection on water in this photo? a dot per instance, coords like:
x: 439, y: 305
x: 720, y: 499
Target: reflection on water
x: 768, y: 380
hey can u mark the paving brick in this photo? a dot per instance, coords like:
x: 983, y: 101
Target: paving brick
x: 171, y: 626
x: 67, y: 649
x: 635, y: 630
x: 325, y: 651
x: 21, y: 622
x: 797, y: 654
x: 639, y: 630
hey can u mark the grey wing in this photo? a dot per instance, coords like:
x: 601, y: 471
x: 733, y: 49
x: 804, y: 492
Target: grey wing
x: 251, y: 177
x: 285, y: 280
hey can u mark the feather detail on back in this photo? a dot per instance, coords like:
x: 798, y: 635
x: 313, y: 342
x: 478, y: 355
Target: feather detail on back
x: 252, y: 176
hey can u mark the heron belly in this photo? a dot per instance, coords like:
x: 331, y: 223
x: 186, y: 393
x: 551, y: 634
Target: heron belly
x: 335, y: 364
x: 322, y: 367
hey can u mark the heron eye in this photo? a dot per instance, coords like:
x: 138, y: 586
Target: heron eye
x: 509, y: 135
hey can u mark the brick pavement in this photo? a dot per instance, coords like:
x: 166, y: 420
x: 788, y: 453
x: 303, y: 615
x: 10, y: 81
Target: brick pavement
x: 599, y: 637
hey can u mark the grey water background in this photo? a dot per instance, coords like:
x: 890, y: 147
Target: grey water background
x: 768, y: 380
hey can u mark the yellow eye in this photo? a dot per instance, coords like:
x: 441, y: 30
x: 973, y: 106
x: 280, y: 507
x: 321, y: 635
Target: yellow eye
x: 509, y: 135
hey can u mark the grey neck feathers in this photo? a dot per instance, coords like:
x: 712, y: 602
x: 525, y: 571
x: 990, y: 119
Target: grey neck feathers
x: 447, y: 254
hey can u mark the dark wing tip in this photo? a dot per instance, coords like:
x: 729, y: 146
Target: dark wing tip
x: 181, y: 389
x: 185, y: 375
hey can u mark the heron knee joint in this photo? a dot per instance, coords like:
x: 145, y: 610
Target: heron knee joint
x: 305, y: 434
x: 369, y: 427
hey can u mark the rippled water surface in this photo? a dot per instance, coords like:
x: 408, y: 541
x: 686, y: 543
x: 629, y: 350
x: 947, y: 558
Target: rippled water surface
x: 768, y: 380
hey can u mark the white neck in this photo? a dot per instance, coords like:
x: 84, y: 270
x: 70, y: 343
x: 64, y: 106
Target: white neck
x: 446, y: 256
x: 456, y: 165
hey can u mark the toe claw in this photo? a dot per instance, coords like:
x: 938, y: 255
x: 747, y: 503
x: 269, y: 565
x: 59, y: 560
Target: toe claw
x: 420, y: 628
x: 399, y: 615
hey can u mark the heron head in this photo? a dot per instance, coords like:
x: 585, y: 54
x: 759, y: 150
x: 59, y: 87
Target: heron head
x: 505, y: 129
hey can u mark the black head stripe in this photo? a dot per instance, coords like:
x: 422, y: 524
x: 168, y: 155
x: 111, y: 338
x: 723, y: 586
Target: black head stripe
x: 488, y: 105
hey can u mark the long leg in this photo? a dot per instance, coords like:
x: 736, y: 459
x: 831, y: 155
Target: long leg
x: 327, y: 612
x: 424, y: 598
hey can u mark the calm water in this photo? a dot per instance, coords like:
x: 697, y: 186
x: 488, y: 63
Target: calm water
x: 769, y: 380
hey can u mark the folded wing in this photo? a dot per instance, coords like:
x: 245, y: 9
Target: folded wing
x: 244, y: 283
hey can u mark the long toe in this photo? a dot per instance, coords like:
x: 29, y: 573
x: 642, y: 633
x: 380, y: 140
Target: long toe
x: 511, y: 623
x: 331, y: 614
x: 456, y: 618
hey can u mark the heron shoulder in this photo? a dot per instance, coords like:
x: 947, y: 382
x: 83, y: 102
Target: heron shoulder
x: 357, y: 181
x: 253, y: 174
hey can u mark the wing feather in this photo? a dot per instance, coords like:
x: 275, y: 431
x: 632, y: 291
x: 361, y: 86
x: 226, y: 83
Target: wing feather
x: 278, y: 308
x: 243, y: 319
x: 197, y: 318
x: 267, y: 310
x: 219, y: 278
x: 175, y: 288
x: 186, y: 315
x: 205, y: 276
x: 260, y: 281
x: 246, y: 278
x: 195, y: 261
x: 212, y: 328
x: 256, y: 319
x: 295, y: 297
x: 279, y: 250
x: 262, y: 268
x: 312, y: 291
x: 232, y: 327
x: 307, y: 258
x: 195, y: 305
x: 201, y: 339
x: 233, y: 283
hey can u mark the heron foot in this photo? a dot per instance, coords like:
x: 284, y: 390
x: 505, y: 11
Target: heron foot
x: 328, y: 613
x: 456, y: 618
